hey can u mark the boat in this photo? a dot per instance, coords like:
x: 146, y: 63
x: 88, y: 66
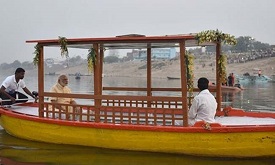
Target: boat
x: 150, y: 123
x: 255, y: 77
x: 77, y: 75
x: 212, y: 87
x: 173, y: 78
x: 51, y: 73
x: 272, y: 79
x: 15, y: 151
x: 224, y: 88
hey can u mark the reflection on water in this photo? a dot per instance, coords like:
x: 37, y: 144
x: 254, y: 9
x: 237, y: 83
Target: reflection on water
x: 254, y: 97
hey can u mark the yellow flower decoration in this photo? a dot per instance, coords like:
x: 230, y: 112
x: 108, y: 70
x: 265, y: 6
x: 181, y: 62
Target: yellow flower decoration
x: 91, y: 58
x: 63, y: 46
x: 215, y: 36
x: 36, y: 52
x: 189, y: 59
x: 222, y: 68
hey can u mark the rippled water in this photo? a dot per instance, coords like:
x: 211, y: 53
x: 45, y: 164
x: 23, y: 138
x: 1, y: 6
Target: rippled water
x: 14, y: 150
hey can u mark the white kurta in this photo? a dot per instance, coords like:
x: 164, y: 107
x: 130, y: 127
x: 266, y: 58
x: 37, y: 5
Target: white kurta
x: 57, y: 88
x: 203, y: 108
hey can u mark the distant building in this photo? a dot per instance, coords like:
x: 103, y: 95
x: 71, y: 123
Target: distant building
x: 157, y: 53
x: 49, y: 62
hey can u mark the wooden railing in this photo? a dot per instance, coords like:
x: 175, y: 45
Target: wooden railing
x: 120, y: 109
x: 134, y: 110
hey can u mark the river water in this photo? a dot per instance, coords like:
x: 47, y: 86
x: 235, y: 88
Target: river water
x: 255, y: 97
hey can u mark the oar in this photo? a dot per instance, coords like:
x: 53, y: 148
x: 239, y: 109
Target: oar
x: 14, y: 104
x: 6, y: 100
x: 15, y: 100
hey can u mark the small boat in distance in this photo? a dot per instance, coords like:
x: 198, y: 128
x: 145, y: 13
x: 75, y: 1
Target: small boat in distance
x: 272, y: 78
x: 51, y: 73
x: 77, y: 75
x: 255, y: 77
x: 235, y: 88
x: 224, y: 88
x: 173, y: 78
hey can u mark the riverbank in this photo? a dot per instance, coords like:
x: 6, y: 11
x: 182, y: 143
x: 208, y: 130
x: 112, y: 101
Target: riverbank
x: 164, y: 68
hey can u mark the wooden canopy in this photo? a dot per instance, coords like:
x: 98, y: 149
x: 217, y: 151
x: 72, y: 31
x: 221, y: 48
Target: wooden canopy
x: 130, y: 42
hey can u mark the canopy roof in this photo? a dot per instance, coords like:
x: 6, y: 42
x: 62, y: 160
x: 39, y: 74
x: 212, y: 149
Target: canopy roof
x: 131, y: 41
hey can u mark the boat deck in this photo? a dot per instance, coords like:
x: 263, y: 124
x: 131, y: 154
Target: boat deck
x: 223, y: 120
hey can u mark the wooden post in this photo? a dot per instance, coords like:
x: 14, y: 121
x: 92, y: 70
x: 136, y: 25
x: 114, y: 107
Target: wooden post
x: 97, y: 77
x: 149, y: 73
x: 101, y: 68
x: 183, y: 83
x: 218, y: 78
x: 41, y: 82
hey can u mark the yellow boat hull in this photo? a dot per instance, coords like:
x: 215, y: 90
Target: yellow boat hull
x: 220, y: 144
x: 35, y: 153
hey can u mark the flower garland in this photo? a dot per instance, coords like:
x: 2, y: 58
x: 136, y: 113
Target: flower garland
x: 91, y: 58
x: 189, y: 60
x: 222, y: 68
x: 215, y: 36
x: 63, y: 46
x: 37, y: 48
x: 218, y: 37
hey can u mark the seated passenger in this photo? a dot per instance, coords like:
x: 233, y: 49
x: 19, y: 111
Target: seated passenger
x: 204, y: 105
x: 61, y: 87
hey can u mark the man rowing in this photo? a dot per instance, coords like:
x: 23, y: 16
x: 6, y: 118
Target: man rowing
x: 9, y: 89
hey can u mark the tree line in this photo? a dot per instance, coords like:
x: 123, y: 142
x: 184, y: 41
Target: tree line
x: 244, y: 44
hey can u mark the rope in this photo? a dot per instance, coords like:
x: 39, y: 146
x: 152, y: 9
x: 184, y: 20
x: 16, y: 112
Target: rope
x: 207, y: 126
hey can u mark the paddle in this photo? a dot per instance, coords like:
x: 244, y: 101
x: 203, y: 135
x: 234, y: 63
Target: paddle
x: 16, y: 101
x: 6, y: 100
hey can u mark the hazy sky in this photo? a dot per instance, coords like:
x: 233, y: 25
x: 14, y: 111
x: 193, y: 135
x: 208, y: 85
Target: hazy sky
x: 22, y: 20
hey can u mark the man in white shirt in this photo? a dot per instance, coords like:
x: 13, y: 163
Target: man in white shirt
x: 204, y: 105
x: 10, y: 86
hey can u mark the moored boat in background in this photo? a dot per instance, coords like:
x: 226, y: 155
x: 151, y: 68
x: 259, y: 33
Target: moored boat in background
x: 224, y: 88
x: 173, y: 78
x: 272, y: 78
x: 77, y: 75
x: 255, y: 77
